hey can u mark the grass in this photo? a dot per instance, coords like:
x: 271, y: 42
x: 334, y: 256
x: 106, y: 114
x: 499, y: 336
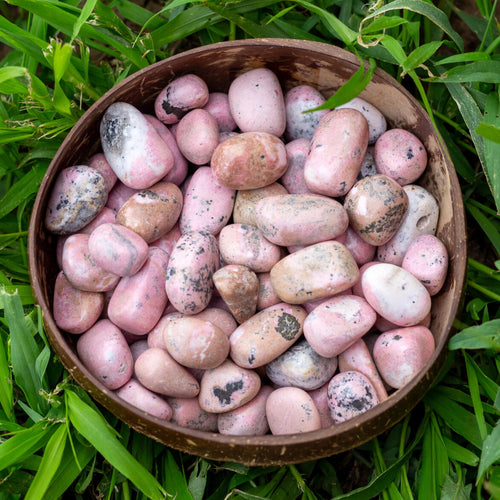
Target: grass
x: 54, y: 440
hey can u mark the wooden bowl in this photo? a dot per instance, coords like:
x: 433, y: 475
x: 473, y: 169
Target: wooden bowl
x: 295, y: 62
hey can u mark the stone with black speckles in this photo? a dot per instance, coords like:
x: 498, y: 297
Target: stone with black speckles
x: 132, y: 146
x: 266, y: 335
x: 301, y: 366
x: 138, y: 301
x: 395, y: 294
x: 314, y: 272
x: 291, y: 410
x: 300, y: 122
x: 427, y: 259
x: 401, y: 353
x: 188, y: 413
x: 189, y: 279
x: 336, y: 152
x: 376, y: 206
x: 249, y: 419
x: 350, y: 394
x: 400, y: 155
x: 78, y: 195
x: 208, y: 205
x: 227, y: 387
x: 421, y: 218
x: 182, y: 94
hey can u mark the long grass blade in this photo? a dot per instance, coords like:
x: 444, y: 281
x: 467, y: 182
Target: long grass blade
x: 50, y: 463
x: 491, y: 452
x: 95, y: 429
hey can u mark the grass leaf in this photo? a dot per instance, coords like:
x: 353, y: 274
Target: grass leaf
x: 490, y: 132
x: 177, y: 486
x: 95, y: 429
x: 24, y: 443
x: 6, y: 385
x: 435, y: 15
x: 50, y: 463
x: 459, y: 453
x: 87, y: 9
x: 476, y: 397
x: 491, y: 451
x: 420, y: 55
x: 484, y: 336
x: 24, y: 351
x: 479, y: 71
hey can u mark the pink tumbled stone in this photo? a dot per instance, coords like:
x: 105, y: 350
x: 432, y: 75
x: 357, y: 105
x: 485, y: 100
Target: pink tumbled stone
x: 188, y: 413
x: 291, y: 410
x: 401, y: 353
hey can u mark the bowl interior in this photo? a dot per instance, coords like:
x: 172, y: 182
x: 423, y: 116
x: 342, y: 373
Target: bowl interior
x: 295, y: 62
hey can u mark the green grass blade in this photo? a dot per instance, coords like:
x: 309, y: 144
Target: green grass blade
x: 95, y: 429
x: 9, y: 72
x: 198, y: 479
x: 486, y: 225
x: 491, y: 452
x: 85, y: 13
x: 24, y: 443
x: 24, y: 352
x: 6, y: 385
x: 437, y: 16
x: 336, y: 26
x: 479, y: 71
x: 50, y: 463
x: 459, y: 453
x: 176, y: 486
x: 23, y: 189
x: 420, y: 55
x: 454, y: 416
x: 490, y: 132
x: 465, y: 58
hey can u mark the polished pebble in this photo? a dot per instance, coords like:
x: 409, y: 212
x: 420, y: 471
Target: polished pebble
x: 395, y: 294
x: 376, y: 206
x: 301, y: 366
x: 350, y: 394
x: 227, y: 387
x: 188, y: 413
x: 291, y: 410
x: 78, y: 195
x: 293, y: 178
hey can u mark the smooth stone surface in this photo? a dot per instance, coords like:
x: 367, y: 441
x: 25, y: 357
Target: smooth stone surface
x: 220, y: 318
x: 247, y: 199
x: 293, y: 178
x: 357, y: 357
x: 427, y: 259
x: 218, y: 107
x: 246, y: 245
x: 118, y: 196
x: 153, y: 212
x: 195, y: 343
x: 99, y: 162
x: 421, y: 218
x: 350, y: 394
x: 377, y: 124
x: 75, y: 311
x: 118, y: 249
x: 337, y: 323
x: 395, y: 294
x: 301, y: 366
x: 239, y: 287
x: 249, y: 160
x: 134, y: 393
x: 401, y: 353
x: 267, y: 297
x: 337, y: 150
x: 256, y: 102
x: 182, y: 94
x: 315, y: 272
x: 291, y: 410
x: 159, y: 372
x: 299, y: 122
x: 188, y: 413
x: 300, y: 219
x: 361, y: 250
x: 320, y: 399
x: 376, y: 206
x: 80, y: 268
x: 228, y: 387
x: 400, y: 155
x: 105, y: 353
x: 78, y: 195
x: 249, y: 419
x: 189, y: 281
x: 208, y: 205
x: 134, y: 149
x: 266, y: 335
x: 138, y: 301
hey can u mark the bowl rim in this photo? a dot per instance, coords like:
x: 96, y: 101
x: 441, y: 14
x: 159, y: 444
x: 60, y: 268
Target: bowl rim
x: 404, y: 399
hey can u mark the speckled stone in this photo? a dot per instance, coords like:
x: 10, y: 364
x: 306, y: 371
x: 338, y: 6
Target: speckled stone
x: 227, y: 387
x: 376, y: 206
x: 78, y: 195
x: 350, y: 394
x: 188, y: 413
x: 301, y: 366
